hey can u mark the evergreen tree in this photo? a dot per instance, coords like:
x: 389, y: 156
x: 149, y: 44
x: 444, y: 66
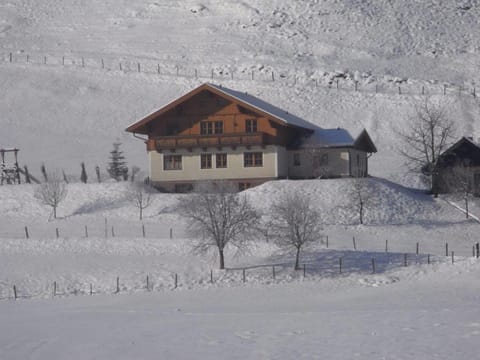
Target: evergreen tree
x: 117, y: 167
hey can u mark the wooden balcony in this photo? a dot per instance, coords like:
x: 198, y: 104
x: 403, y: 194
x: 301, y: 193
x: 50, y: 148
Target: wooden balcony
x: 191, y: 141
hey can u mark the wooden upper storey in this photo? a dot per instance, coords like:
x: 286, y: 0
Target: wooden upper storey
x: 208, y: 117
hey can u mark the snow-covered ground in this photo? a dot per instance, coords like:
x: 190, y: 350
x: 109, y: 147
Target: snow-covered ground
x: 397, y: 312
x: 75, y: 74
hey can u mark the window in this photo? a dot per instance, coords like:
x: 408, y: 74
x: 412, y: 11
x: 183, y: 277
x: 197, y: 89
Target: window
x: 296, y: 159
x: 218, y: 127
x: 251, y: 125
x: 244, y: 186
x: 172, y: 162
x: 221, y: 160
x: 211, y: 127
x: 252, y: 159
x: 206, y: 161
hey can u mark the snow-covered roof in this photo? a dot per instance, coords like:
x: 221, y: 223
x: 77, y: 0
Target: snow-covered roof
x: 265, y: 107
x: 328, y: 138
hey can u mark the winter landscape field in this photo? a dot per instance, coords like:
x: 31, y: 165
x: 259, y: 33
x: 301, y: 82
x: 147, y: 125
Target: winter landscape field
x: 98, y: 283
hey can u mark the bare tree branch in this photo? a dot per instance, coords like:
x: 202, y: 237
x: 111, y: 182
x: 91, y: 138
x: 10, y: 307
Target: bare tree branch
x: 220, y: 215
x: 430, y: 131
x: 141, y: 196
x: 295, y: 222
x: 51, y: 193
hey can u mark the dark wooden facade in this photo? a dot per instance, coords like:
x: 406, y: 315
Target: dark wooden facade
x: 179, y: 124
x: 460, y: 163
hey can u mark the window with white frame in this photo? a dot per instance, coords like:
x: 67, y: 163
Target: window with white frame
x: 172, y: 162
x: 252, y: 159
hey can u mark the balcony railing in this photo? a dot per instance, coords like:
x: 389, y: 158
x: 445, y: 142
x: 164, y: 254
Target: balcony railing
x: 191, y: 141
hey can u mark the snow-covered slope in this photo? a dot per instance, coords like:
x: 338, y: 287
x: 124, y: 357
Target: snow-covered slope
x: 81, y: 108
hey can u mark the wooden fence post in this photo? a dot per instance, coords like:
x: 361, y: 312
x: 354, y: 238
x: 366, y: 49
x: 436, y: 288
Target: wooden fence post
x: 26, y: 232
x: 273, y: 272
x: 477, y: 247
x: 120, y: 66
x: 273, y: 76
x: 11, y: 57
x: 15, y: 292
x: 428, y: 259
x: 143, y: 230
x: 354, y: 244
x: 327, y: 241
x: 446, y: 249
x: 386, y: 246
x: 444, y: 89
x: 113, y: 232
x: 423, y: 90
x: 211, y: 276
x: 103, y: 64
x: 57, y: 233
x: 86, y: 231
x: 243, y: 275
x: 91, y: 289
x: 373, y: 265
x: 356, y: 85
x: 118, y: 284
x: 405, y: 260
x: 176, y: 281
x: 304, y: 270
x: 453, y: 257
x: 138, y: 67
x: 148, y: 284
x: 171, y: 233
x: 45, y: 60
x: 253, y: 75
x: 340, y: 260
x: 417, y: 250
x: 54, y: 288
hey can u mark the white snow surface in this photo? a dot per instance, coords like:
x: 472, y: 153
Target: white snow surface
x: 75, y: 74
x: 399, y: 312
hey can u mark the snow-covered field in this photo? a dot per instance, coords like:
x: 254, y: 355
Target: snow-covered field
x: 75, y: 74
x: 355, y: 313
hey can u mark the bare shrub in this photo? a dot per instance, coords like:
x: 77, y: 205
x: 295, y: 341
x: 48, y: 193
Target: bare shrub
x: 51, y: 193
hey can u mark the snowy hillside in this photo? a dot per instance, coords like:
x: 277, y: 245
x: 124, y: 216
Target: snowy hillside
x: 76, y: 73
x: 72, y: 80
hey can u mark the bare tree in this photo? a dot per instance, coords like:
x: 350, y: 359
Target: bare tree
x: 51, y: 193
x: 295, y: 222
x: 429, y: 133
x: 222, y: 216
x: 141, y: 196
x: 360, y: 195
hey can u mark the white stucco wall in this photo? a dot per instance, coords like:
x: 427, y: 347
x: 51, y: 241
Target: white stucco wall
x: 338, y: 163
x: 272, y: 159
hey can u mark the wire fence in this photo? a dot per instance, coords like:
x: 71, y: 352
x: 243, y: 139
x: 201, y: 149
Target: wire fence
x: 340, y: 81
x: 326, y: 263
